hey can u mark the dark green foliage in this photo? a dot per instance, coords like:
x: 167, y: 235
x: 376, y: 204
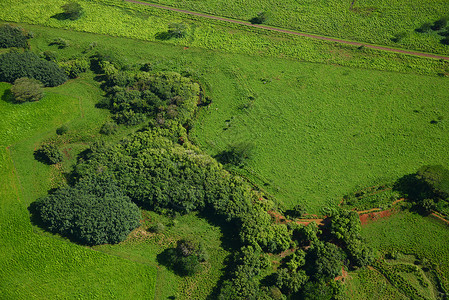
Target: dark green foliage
x: 260, y: 18
x: 160, y: 96
x: 290, y: 281
x: 439, y: 24
x: 50, y: 56
x: 445, y: 41
x: 62, y: 130
x: 48, y: 153
x: 72, y: 10
x: 321, y: 290
x: 94, y: 211
x: 157, y: 228
x: 327, y: 261
x: 73, y: 68
x: 13, y: 36
x: 185, y: 259
x: 26, y: 89
x: 297, y: 211
x: 109, y: 128
x: 426, y: 27
x: 14, y: 65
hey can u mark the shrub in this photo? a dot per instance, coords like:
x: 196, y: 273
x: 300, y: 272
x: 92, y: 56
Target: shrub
x: 445, y: 41
x: 426, y: 27
x: 62, y: 130
x: 73, y: 68
x: 26, y: 89
x: 13, y: 36
x: 14, y: 65
x: 60, y: 42
x: 72, y: 10
x: 49, y: 154
x: 439, y: 24
x: 108, y: 128
x: 157, y: 228
x: 94, y: 211
x: 259, y: 19
x: 50, y: 56
x: 399, y: 36
x: 177, y: 30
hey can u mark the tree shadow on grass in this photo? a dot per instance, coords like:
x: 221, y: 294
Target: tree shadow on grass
x: 163, y: 36
x: 8, y: 96
x: 60, y: 17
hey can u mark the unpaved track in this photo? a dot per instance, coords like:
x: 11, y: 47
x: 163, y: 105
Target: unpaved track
x: 318, y: 37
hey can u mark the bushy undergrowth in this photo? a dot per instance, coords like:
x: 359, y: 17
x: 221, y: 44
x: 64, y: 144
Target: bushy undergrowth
x: 13, y: 36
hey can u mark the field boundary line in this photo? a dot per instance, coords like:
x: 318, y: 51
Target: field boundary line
x: 292, y: 32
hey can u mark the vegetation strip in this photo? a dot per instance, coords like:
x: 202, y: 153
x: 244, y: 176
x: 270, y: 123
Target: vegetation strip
x: 319, y: 37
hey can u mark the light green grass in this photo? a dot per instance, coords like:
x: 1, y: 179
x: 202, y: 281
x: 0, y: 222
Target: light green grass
x: 320, y: 131
x: 366, y: 284
x: 118, y: 18
x: 36, y: 265
x: 373, y: 21
x: 412, y: 234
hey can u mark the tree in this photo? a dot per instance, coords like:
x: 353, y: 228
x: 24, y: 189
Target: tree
x: 260, y: 18
x: 14, y: 65
x: 177, y: 30
x: 72, y: 10
x: 26, y: 89
x: 49, y: 154
x: 94, y: 211
x: 426, y: 27
x: 13, y: 36
x: 439, y: 24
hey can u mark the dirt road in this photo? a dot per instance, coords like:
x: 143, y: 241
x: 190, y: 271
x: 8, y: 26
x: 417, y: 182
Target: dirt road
x: 319, y: 37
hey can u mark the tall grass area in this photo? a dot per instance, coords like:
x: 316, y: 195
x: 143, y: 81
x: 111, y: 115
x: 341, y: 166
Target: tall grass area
x: 371, y: 21
x: 36, y: 265
x: 319, y: 131
x: 118, y: 18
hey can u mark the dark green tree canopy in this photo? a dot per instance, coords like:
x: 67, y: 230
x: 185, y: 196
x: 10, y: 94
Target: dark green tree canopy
x: 14, y: 65
x: 26, y: 89
x: 13, y: 36
x: 72, y: 10
x: 94, y: 211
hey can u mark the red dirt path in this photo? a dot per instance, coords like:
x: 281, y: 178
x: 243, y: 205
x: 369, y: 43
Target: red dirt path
x: 319, y: 37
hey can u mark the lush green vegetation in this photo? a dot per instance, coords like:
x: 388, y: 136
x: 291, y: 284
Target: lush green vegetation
x: 370, y: 21
x: 13, y: 36
x: 118, y: 18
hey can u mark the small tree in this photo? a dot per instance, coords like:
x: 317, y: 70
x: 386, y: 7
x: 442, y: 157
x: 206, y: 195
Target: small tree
x: 27, y: 89
x: 177, y: 30
x: 260, y: 18
x: 13, y: 36
x: 72, y: 10
x: 49, y: 154
x: 439, y: 24
x: 426, y: 27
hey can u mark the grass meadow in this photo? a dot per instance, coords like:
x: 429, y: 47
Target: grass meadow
x: 36, y: 265
x: 371, y: 21
x: 122, y: 19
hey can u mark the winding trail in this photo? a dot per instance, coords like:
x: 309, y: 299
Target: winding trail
x: 314, y: 36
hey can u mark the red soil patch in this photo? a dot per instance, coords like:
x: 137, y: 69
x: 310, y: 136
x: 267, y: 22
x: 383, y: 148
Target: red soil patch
x: 280, y: 219
x: 439, y: 217
x: 344, y: 275
x: 374, y: 216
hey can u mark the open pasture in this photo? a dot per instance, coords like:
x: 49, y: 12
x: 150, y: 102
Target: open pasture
x: 370, y: 21
x: 122, y: 19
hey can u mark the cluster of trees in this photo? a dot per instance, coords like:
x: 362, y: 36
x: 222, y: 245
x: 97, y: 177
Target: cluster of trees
x: 15, y: 65
x: 93, y: 211
x: 13, y: 36
x: 135, y: 95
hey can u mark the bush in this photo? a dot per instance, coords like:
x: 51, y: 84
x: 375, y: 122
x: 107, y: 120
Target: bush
x: 439, y: 24
x: 73, y: 68
x: 49, y: 154
x: 109, y: 128
x: 60, y: 42
x: 177, y: 30
x: 445, y: 41
x: 13, y: 36
x: 72, y: 10
x: 62, y: 130
x: 426, y: 27
x: 94, y: 211
x: 259, y: 19
x: 26, y: 89
x: 157, y: 228
x: 14, y: 65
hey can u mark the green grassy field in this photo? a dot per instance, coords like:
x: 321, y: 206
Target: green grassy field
x: 36, y: 265
x: 371, y: 21
x: 117, y: 18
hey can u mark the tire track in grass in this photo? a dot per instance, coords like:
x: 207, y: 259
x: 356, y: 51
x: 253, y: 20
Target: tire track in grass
x: 291, y: 32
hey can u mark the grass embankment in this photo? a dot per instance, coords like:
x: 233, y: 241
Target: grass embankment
x: 124, y: 19
x: 370, y: 21
x: 36, y: 265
